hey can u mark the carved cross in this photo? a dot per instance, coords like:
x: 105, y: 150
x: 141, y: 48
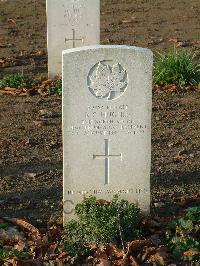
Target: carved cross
x: 73, y: 39
x: 107, y: 158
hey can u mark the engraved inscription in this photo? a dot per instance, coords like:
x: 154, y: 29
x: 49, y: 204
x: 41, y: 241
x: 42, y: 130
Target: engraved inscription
x: 107, y: 158
x: 107, y: 121
x: 73, y: 16
x: 107, y: 80
x: 109, y: 191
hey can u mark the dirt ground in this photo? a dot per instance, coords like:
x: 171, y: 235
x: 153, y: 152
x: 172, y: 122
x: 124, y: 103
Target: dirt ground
x: 156, y: 24
x: 30, y: 136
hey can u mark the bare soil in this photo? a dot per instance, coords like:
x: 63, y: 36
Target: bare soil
x: 31, y: 143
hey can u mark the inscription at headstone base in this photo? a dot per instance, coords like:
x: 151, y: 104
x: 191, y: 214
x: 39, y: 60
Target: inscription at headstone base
x: 107, y: 124
x: 70, y: 24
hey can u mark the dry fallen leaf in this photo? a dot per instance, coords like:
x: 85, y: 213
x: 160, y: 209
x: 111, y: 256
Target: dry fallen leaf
x: 9, y: 89
x: 102, y: 202
x: 127, y: 20
x: 135, y: 246
x: 46, y: 113
x: 182, y: 44
x: 12, y: 21
x: 157, y: 258
x: 173, y: 40
x: 30, y: 174
x: 54, y: 231
x: 2, y: 92
x: 41, y: 92
x: 156, y: 255
x: 191, y: 253
x: 121, y: 262
x: 113, y: 252
x: 102, y: 258
x: 133, y: 261
x: 13, y: 261
x: 51, y: 252
x: 40, y: 123
x: 47, y: 83
x: 24, y: 142
x: 159, y: 204
x: 24, y: 225
x: 103, y: 262
x: 20, y: 245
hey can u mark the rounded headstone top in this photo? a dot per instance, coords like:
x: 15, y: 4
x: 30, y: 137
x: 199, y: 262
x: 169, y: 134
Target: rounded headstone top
x: 99, y: 47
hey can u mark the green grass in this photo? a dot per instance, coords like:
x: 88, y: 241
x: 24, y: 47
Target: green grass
x: 17, y: 81
x: 57, y: 88
x: 176, y: 67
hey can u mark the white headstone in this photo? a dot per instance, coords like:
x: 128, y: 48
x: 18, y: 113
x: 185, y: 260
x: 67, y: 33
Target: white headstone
x: 107, y: 99
x: 70, y: 23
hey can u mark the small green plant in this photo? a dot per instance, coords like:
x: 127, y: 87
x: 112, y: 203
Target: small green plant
x: 75, y: 240
x: 100, y: 223
x: 4, y: 225
x: 8, y: 254
x: 57, y: 88
x: 183, y: 234
x: 177, y: 67
x: 17, y: 81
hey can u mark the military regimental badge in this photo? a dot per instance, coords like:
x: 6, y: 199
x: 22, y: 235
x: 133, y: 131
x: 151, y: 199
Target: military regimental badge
x: 107, y: 80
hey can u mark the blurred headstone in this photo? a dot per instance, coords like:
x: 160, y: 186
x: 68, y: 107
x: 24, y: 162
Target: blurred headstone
x: 70, y: 23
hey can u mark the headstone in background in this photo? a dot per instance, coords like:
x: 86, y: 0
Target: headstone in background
x: 70, y: 23
x: 107, y: 99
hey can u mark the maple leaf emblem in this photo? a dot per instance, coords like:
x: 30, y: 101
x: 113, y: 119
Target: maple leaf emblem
x: 108, y: 81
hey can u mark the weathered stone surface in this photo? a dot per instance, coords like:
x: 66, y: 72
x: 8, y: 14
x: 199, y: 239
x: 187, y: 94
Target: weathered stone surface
x: 107, y: 102
x: 70, y: 24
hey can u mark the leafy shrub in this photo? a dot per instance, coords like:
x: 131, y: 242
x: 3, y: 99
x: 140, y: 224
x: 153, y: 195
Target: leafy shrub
x: 17, y: 81
x: 177, y: 67
x: 5, y: 254
x: 74, y: 239
x: 183, y: 234
x: 100, y: 223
